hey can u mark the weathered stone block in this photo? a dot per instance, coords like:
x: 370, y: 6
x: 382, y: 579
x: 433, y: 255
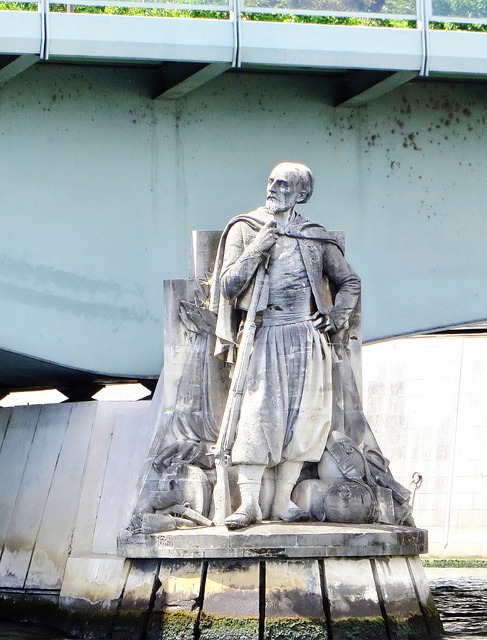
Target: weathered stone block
x: 293, y: 601
x: 177, y: 602
x: 278, y: 540
x: 355, y: 610
x: 231, y: 601
x: 140, y: 588
x: 402, y: 609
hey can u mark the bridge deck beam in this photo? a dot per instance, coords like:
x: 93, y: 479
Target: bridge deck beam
x: 180, y: 85
x: 363, y: 88
x: 16, y: 66
x: 105, y: 39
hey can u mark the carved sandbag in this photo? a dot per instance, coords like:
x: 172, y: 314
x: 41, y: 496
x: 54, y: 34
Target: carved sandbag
x: 350, y: 501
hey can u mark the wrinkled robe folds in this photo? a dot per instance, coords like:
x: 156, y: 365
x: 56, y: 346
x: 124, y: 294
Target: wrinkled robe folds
x: 286, y: 408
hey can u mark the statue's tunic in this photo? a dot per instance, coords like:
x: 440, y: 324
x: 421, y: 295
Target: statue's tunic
x: 286, y: 406
x: 287, y: 400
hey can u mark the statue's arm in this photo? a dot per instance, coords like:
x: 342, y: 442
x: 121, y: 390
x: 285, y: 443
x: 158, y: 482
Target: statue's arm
x: 241, y: 259
x: 347, y: 284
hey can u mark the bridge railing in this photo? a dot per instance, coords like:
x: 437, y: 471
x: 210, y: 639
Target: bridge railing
x: 423, y: 12
x: 147, y: 5
x: 378, y: 9
x: 94, y: 6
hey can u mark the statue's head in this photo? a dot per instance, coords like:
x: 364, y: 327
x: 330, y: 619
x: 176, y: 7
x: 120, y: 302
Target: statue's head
x: 290, y: 183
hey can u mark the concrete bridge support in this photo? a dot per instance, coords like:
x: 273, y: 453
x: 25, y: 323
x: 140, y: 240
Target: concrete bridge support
x: 101, y: 186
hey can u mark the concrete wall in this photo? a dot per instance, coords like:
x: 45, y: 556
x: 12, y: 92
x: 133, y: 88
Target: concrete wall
x: 426, y: 401
x: 68, y: 475
x: 101, y: 186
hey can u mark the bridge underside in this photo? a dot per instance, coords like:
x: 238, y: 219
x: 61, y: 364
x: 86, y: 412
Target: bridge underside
x: 123, y: 134
x: 366, y: 61
x: 19, y: 372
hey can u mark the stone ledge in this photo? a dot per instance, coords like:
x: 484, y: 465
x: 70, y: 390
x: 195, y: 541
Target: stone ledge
x: 278, y: 540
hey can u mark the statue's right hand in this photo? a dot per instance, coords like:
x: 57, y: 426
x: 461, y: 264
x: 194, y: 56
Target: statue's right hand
x: 267, y: 236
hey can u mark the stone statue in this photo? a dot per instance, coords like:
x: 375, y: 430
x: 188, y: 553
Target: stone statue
x: 286, y: 408
x: 292, y: 442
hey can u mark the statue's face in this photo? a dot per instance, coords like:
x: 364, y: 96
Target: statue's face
x: 283, y: 190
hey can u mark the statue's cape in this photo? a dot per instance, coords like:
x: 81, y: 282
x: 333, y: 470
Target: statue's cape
x: 227, y: 322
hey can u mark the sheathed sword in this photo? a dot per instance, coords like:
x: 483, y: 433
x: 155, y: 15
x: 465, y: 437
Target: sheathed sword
x: 226, y: 437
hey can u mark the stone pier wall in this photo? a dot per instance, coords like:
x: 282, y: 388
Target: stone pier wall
x: 425, y: 399
x: 68, y: 480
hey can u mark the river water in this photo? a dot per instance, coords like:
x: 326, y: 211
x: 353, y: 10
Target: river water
x: 461, y: 598
x: 460, y: 595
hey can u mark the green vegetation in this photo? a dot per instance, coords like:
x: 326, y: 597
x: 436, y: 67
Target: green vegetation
x: 295, y: 628
x: 395, y: 7
x: 458, y: 26
x: 337, y: 20
x: 460, y: 8
x: 215, y: 627
x: 468, y: 563
x: 18, y: 6
x: 143, y: 10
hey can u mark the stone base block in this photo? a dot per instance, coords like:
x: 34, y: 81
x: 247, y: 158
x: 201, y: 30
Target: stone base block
x: 382, y: 598
x: 290, y: 582
x: 277, y: 540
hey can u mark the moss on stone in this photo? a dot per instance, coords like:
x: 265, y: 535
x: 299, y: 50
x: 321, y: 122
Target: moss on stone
x: 433, y: 620
x: 90, y: 622
x: 214, y: 627
x: 82, y: 621
x: 177, y: 625
x: 412, y: 627
x: 295, y: 629
x: 359, y: 629
x: 445, y: 563
x: 22, y: 609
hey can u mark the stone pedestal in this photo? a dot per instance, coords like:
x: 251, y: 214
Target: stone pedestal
x: 280, y: 581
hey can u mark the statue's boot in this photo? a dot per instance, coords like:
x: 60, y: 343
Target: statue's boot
x: 249, y: 512
x: 283, y: 508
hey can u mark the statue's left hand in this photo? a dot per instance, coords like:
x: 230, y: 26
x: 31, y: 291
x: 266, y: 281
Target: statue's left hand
x: 176, y: 454
x: 323, y: 322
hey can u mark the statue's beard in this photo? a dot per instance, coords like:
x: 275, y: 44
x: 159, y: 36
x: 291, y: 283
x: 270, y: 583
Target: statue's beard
x: 273, y: 207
